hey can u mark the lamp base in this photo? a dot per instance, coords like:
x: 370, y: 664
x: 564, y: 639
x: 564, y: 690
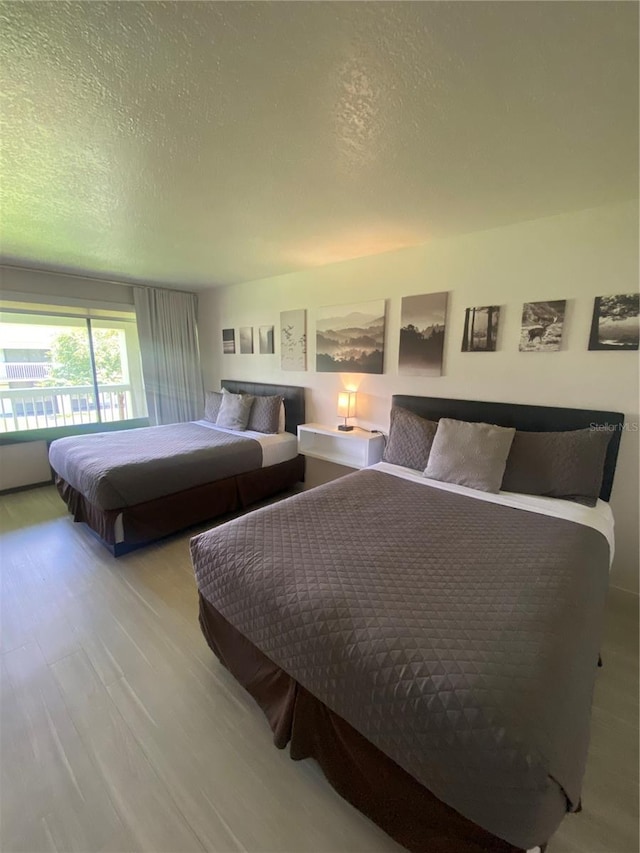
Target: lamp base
x: 344, y: 428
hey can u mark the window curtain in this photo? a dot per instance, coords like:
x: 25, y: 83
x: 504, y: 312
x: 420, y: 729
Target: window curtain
x: 167, y: 329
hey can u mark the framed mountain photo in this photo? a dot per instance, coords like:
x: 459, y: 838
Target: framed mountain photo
x: 422, y: 329
x: 350, y: 338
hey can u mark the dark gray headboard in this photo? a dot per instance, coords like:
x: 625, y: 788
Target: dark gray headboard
x: 293, y: 397
x: 525, y: 418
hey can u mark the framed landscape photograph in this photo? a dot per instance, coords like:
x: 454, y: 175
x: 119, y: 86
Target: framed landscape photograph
x: 265, y: 336
x: 422, y: 329
x: 614, y: 325
x: 246, y: 340
x: 228, y: 341
x: 542, y: 324
x: 350, y: 338
x: 293, y: 340
x: 481, y: 329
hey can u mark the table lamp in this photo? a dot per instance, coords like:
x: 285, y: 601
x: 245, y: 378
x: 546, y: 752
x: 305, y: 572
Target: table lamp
x: 346, y: 408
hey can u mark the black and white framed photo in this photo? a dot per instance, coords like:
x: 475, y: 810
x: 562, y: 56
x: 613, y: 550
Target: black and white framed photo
x: 542, y: 325
x: 293, y: 339
x: 228, y: 341
x: 350, y: 338
x: 246, y: 340
x: 615, y: 325
x: 265, y: 337
x: 481, y: 329
x: 422, y: 329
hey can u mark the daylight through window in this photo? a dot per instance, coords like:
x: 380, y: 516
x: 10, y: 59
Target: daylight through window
x: 58, y: 370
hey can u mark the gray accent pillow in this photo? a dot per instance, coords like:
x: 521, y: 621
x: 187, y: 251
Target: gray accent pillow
x: 410, y: 439
x: 235, y: 410
x: 212, y: 402
x: 469, y: 454
x: 566, y: 465
x: 265, y: 414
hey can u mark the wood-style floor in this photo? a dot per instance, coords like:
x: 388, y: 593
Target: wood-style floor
x: 121, y: 732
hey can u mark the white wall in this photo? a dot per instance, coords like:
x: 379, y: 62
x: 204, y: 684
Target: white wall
x: 24, y: 464
x: 574, y: 256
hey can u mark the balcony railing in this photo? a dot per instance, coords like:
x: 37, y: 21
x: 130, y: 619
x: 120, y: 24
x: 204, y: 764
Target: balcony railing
x: 37, y: 408
x: 22, y: 371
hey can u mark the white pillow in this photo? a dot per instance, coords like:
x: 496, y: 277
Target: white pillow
x: 234, y: 410
x: 469, y: 454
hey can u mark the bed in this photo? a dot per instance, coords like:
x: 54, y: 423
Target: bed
x: 134, y: 487
x: 434, y: 650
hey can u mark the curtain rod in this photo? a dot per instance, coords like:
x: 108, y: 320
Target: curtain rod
x: 92, y: 278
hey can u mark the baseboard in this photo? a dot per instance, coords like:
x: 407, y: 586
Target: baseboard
x: 26, y: 488
x: 623, y: 589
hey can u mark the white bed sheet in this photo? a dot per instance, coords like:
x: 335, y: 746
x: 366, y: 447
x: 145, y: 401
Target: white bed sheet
x: 276, y: 447
x: 599, y: 517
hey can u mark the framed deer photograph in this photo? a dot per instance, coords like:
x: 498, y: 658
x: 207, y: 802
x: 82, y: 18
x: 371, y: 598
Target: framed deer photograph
x: 542, y: 325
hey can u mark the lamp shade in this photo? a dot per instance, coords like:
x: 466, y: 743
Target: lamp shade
x: 346, y: 404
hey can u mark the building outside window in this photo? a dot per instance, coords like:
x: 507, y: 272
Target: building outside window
x: 60, y: 370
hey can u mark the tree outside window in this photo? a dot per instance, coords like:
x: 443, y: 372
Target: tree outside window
x: 71, y: 360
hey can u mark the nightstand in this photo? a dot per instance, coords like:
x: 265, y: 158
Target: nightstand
x: 357, y: 448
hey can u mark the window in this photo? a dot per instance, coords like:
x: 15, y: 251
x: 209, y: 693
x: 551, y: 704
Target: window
x: 58, y: 370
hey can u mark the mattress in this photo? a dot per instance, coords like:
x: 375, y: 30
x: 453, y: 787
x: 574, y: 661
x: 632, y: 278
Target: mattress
x: 276, y: 447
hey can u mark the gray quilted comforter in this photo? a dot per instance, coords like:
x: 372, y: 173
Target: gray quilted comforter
x: 459, y: 636
x: 118, y: 469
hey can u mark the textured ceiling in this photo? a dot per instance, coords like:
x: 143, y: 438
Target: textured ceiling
x: 209, y: 143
